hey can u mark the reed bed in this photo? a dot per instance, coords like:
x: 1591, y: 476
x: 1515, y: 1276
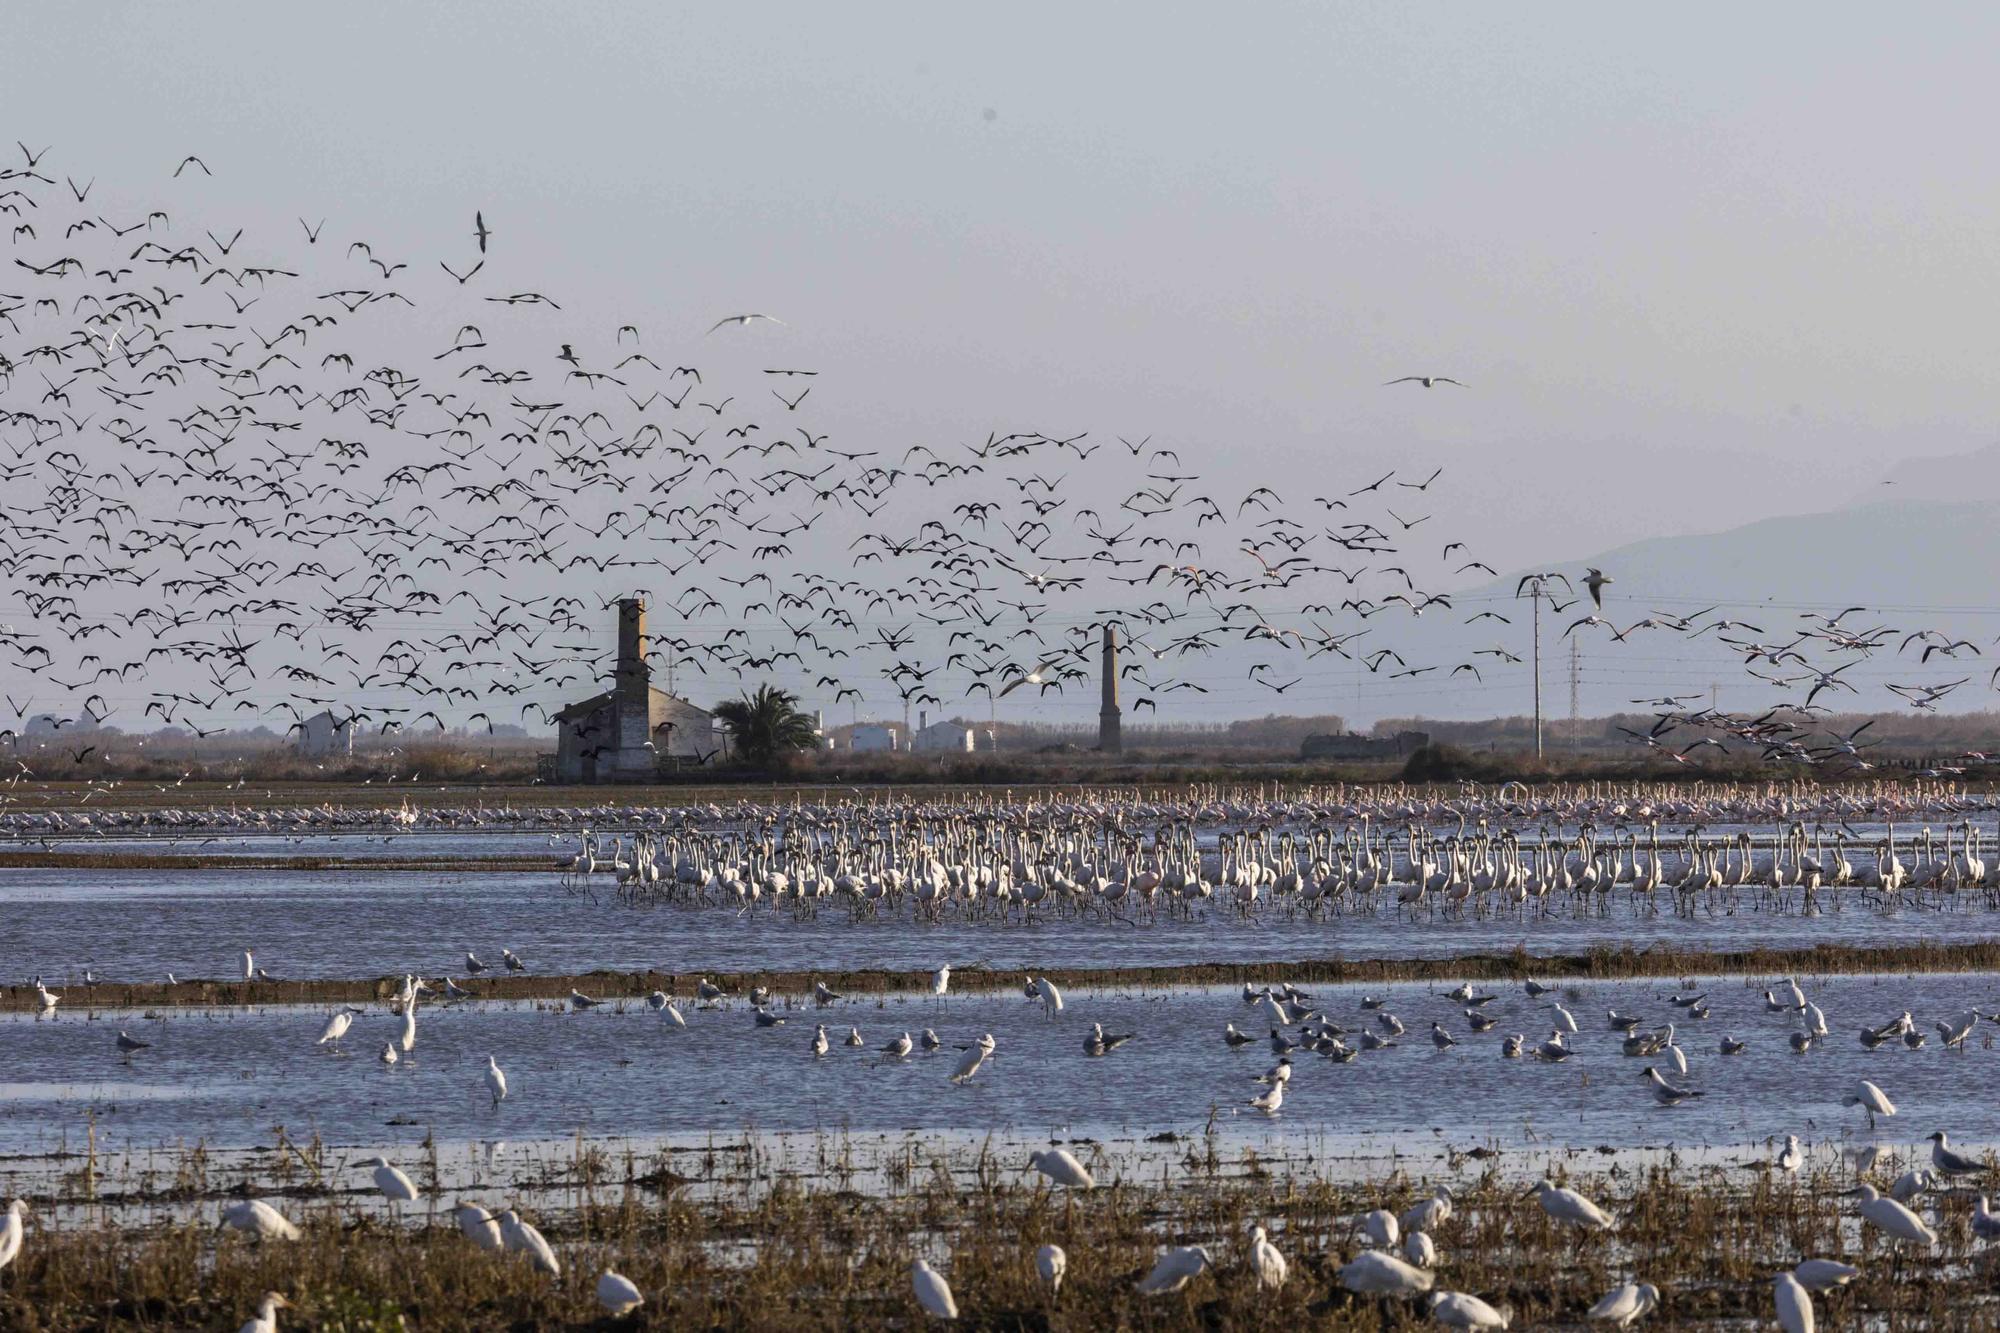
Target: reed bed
x: 794, y: 986
x: 765, y: 1251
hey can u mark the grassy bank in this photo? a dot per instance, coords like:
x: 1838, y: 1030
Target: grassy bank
x: 791, y: 986
x: 823, y: 1256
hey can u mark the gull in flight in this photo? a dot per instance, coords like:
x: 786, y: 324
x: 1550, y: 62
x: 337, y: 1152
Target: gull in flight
x: 1428, y: 381
x: 741, y: 320
x: 1039, y: 676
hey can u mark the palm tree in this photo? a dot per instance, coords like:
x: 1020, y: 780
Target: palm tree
x: 766, y: 724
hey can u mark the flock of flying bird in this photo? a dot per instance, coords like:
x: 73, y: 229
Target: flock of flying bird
x: 236, y: 488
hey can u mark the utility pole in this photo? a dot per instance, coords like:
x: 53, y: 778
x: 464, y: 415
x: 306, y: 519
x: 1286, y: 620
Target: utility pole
x: 1572, y: 679
x: 1535, y: 586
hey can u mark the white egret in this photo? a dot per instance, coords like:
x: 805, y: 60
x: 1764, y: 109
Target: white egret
x: 1428, y: 1214
x: 408, y: 1041
x: 1265, y: 1262
x: 1822, y: 1274
x: 660, y: 1004
x: 1052, y: 1000
x: 1625, y: 1304
x: 480, y: 1227
x: 267, y: 1314
x: 933, y: 1292
x: 1060, y: 1166
x: 258, y: 1218
x: 496, y: 1082
x: 1420, y: 1249
x: 1892, y: 1217
x: 1174, y: 1269
x: 1795, y: 1308
x: 1376, y: 1273
x: 1949, y: 1163
x: 393, y: 1185
x: 1870, y: 1098
x: 1570, y: 1207
x: 1380, y: 1226
x: 1912, y: 1183
x: 45, y: 999
x: 1985, y: 1224
x: 1457, y: 1309
x: 975, y: 1056
x: 249, y: 966
x: 1565, y: 1020
x: 941, y: 980
x: 522, y: 1238
x: 1050, y: 1264
x: 337, y: 1024
x: 13, y: 1226
x: 617, y: 1294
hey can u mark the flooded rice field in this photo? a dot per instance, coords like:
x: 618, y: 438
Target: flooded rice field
x: 138, y: 925
x: 227, y: 1076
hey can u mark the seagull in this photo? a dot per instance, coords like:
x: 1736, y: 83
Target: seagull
x: 1984, y: 1224
x: 1731, y: 1046
x: 1624, y: 1305
x: 480, y: 230
x: 819, y: 1044
x: 1280, y: 1072
x: 744, y: 320
x: 578, y: 1000
x: 824, y: 994
x: 617, y: 1293
x: 1099, y: 1042
x: 708, y: 993
x: 1269, y: 1102
x: 1665, y: 1093
x: 1791, y: 1157
x: 1235, y: 1038
x: 514, y: 964
x: 1947, y: 1162
x: 931, y: 1040
x: 899, y: 1048
x: 1062, y: 1168
x: 1595, y: 580
x: 1174, y: 1270
x: 853, y: 1038
x: 933, y: 1292
x: 473, y: 966
x: 1428, y: 381
x: 1441, y: 1039
x: 130, y: 1044
x: 388, y: 1056
x: 766, y: 1019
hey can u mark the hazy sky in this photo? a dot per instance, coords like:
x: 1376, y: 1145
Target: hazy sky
x: 1695, y: 271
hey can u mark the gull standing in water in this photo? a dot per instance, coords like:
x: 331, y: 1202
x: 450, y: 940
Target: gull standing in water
x: 1949, y: 1163
x: 1791, y: 1157
x: 1271, y: 1101
x: 1100, y: 1042
x: 933, y: 1292
x: 129, y: 1044
x: 900, y: 1048
x: 819, y: 1043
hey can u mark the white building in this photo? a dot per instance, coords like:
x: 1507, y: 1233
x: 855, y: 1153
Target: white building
x: 940, y: 737
x: 323, y: 736
x: 872, y: 738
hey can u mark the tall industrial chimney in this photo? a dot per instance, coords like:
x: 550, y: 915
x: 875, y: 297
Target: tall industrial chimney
x: 1110, y: 737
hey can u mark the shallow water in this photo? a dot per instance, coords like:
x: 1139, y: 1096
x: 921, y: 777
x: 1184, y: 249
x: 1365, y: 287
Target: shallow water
x: 626, y: 1072
x: 134, y: 925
